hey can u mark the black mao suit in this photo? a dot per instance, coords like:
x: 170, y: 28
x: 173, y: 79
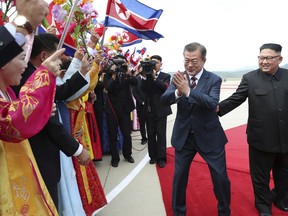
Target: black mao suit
x: 197, y: 129
x: 156, y: 115
x: 267, y: 132
x: 53, y: 137
x: 119, y: 105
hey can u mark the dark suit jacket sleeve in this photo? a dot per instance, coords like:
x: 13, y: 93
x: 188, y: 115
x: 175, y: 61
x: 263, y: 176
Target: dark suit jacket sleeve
x: 208, y: 100
x: 9, y: 48
x: 236, y: 99
x: 60, y: 136
x: 136, y: 90
x: 109, y: 82
x: 131, y: 80
x: 163, y: 83
x: 70, y: 87
x: 168, y: 98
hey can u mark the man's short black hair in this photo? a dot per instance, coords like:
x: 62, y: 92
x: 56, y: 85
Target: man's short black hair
x: 276, y: 47
x: 156, y: 57
x: 44, y: 42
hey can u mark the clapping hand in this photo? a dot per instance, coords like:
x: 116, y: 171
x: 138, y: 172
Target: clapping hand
x: 181, y: 83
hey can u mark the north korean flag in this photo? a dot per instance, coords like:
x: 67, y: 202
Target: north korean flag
x: 133, y: 16
x: 129, y: 39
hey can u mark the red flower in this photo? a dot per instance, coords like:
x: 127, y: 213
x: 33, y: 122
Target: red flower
x: 113, y: 37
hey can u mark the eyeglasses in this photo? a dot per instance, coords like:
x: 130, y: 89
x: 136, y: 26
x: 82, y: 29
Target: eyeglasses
x: 192, y: 61
x: 267, y: 58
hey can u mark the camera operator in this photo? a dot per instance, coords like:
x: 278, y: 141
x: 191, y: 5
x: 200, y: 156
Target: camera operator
x: 155, y: 85
x: 118, y: 80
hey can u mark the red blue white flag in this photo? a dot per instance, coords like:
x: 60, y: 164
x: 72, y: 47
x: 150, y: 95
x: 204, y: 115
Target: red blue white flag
x: 133, y: 16
x: 129, y: 39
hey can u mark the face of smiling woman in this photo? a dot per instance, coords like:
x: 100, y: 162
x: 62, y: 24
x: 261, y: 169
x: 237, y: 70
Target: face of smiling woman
x: 10, y: 74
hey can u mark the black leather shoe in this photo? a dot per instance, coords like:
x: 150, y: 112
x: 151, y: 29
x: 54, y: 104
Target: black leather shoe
x: 161, y: 164
x: 152, y: 161
x: 130, y: 160
x: 282, y: 208
x: 264, y: 214
x: 114, y: 164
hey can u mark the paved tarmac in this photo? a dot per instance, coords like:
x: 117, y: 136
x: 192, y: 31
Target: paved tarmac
x: 134, y: 189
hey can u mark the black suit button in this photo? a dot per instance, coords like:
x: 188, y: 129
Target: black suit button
x: 1, y: 43
x: 280, y: 110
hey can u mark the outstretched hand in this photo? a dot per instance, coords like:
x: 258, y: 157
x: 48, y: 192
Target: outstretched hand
x: 34, y: 10
x: 53, y: 62
x: 99, y: 56
x: 85, y: 65
x: 84, y: 158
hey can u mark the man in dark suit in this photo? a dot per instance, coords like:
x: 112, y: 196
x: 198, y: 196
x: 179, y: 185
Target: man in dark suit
x: 141, y: 105
x: 267, y: 92
x: 53, y: 137
x: 197, y: 128
x: 118, y: 81
x: 154, y: 86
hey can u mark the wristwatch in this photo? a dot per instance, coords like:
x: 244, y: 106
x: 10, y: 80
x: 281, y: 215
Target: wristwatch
x: 22, y: 22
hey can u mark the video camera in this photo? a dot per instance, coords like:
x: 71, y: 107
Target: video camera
x: 148, y: 66
x: 109, y: 62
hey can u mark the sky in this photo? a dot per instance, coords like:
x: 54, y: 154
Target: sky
x: 231, y: 30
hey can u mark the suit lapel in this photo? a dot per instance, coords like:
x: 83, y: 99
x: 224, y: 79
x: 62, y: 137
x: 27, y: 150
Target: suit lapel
x: 202, y: 81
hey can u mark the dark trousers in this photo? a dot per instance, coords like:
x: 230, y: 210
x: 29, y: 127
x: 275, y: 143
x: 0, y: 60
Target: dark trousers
x: 216, y: 161
x: 261, y: 163
x: 142, y: 117
x: 125, y: 127
x: 157, y: 144
x: 53, y: 191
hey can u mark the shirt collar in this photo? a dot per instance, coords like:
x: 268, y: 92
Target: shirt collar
x: 198, y: 75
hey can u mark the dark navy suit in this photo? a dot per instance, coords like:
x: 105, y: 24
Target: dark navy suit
x: 197, y: 129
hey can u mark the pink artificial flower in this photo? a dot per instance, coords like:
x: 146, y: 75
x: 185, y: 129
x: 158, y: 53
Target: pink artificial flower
x: 12, y: 2
x: 94, y: 14
x: 72, y: 27
x: 87, y: 8
x: 58, y: 13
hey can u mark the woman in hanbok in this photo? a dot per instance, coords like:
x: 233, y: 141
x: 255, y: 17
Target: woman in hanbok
x: 89, y: 185
x: 22, y: 189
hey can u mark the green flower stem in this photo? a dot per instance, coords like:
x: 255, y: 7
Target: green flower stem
x: 6, y: 10
x: 84, y: 42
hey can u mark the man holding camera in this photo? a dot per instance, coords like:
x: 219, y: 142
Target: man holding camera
x: 118, y: 80
x: 154, y: 85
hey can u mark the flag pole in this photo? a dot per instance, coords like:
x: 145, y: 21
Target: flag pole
x: 106, y: 20
x: 103, y: 36
x: 67, y: 25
